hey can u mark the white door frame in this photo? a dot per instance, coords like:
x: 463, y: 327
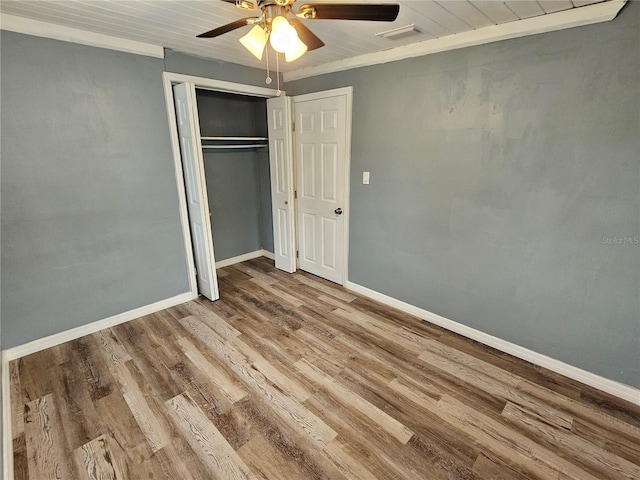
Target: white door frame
x: 169, y: 79
x: 348, y: 93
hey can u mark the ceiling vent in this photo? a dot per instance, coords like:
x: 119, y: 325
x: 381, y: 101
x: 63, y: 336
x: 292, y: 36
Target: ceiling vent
x: 398, y: 33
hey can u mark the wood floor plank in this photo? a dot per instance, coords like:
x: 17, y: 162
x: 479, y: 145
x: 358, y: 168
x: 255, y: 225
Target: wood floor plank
x: 580, y: 410
x: 488, y: 466
x: 74, y: 402
x: 175, y: 461
x: 563, y: 440
x: 376, y: 329
x: 35, y: 381
x: 391, y: 425
x: 252, y: 273
x: 95, y: 461
x: 619, y: 443
x: 117, y: 420
x: 326, y: 287
x: 17, y: 405
x: 289, y: 376
x: 398, y: 318
x: 347, y: 465
x: 152, y: 425
x: 293, y: 301
x: 214, y: 321
x: 269, y: 462
x: 95, y: 371
x: 45, y: 441
x: 151, y: 355
x: 205, y: 439
x: 371, y: 446
x: 190, y: 379
x: 392, y: 359
x: 289, y: 442
x: 111, y: 346
x: 502, y: 386
x: 507, y: 443
x: 20, y: 461
x: 288, y: 384
x: 229, y: 387
x: 287, y: 408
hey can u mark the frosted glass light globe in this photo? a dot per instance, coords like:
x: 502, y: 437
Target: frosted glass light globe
x: 283, y: 35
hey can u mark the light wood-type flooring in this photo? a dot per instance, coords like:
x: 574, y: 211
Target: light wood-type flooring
x: 292, y: 377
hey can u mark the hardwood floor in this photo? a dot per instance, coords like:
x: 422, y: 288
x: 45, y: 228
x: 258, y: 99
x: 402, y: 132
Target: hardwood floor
x: 292, y: 377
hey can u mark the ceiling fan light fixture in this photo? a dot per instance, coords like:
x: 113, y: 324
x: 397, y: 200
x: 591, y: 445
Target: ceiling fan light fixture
x: 255, y: 41
x: 283, y: 36
x: 296, y: 51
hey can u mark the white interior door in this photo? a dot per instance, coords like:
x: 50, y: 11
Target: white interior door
x: 321, y: 144
x: 281, y: 166
x: 196, y: 188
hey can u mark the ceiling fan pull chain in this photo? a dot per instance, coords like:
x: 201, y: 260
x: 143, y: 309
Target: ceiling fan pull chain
x: 268, y: 79
x: 278, y: 92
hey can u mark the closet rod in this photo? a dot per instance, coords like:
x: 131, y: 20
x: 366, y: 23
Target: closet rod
x: 234, y: 138
x: 256, y: 145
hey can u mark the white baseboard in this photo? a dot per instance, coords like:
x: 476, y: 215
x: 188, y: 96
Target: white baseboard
x: 7, y: 435
x: 244, y: 258
x: 620, y: 390
x: 67, y: 335
x: 268, y: 254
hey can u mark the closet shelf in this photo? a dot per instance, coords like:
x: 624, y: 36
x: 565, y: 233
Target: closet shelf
x: 234, y: 142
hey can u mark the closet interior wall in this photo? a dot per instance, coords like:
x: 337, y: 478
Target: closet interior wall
x: 238, y: 181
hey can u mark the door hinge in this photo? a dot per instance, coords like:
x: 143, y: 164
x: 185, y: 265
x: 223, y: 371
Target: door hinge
x: 295, y: 194
x: 297, y: 254
x: 293, y: 126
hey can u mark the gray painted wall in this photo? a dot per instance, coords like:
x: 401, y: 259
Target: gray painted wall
x: 90, y: 219
x: 264, y: 197
x: 203, y: 67
x: 500, y: 177
x: 264, y: 179
x: 236, y: 178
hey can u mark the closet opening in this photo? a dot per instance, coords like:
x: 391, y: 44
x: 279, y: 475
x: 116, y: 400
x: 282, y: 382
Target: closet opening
x: 234, y: 135
x: 220, y: 138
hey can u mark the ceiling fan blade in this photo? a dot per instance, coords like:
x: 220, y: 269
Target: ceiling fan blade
x: 227, y: 28
x: 386, y: 12
x: 307, y: 36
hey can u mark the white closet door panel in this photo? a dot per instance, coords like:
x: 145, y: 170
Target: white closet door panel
x: 196, y: 189
x: 280, y: 162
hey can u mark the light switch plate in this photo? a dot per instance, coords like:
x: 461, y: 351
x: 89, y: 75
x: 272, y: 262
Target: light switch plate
x: 365, y: 178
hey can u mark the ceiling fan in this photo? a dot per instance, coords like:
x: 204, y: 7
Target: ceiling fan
x: 289, y: 35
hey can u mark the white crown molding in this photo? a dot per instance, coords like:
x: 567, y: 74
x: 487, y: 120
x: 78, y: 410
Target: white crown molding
x: 67, y: 34
x: 576, y: 17
x: 620, y: 390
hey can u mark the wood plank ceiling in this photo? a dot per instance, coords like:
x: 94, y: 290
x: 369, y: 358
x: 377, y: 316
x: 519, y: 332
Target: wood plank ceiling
x: 175, y: 24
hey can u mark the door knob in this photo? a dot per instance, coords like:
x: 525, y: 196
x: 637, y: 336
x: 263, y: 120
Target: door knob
x: 338, y: 211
